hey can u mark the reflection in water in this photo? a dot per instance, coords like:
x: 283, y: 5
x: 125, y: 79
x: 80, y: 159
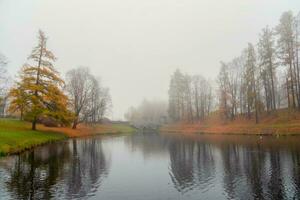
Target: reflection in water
x: 34, y: 173
x: 88, y: 168
x: 62, y: 170
x: 250, y: 170
x: 192, y: 165
x: 154, y: 166
x: 295, y: 173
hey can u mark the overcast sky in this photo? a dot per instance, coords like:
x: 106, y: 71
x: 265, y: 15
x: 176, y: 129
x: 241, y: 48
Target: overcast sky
x: 135, y: 45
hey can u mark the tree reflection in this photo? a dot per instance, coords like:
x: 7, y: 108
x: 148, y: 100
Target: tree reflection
x: 295, y: 169
x: 232, y: 168
x: 192, y: 164
x: 35, y: 172
x: 150, y: 144
x: 276, y: 185
x: 65, y: 170
x: 255, y: 170
x: 248, y: 171
x: 89, y: 167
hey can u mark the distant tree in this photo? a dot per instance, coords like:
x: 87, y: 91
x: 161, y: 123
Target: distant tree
x: 286, y: 52
x: 79, y: 87
x: 248, y: 84
x: 3, y: 84
x: 89, y: 100
x: 223, y: 82
x: 99, y: 103
x: 202, y: 97
x: 3, y: 76
x: 39, y: 89
x: 148, y: 114
x: 251, y: 81
x: 267, y: 64
x: 176, y: 96
x: 190, y: 97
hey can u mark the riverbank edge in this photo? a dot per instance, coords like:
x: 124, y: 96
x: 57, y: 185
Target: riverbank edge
x: 30, y: 147
x: 64, y: 136
x: 266, y: 131
x: 229, y: 133
x: 283, y: 122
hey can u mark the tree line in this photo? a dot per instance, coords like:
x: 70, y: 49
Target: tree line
x: 265, y: 77
x: 190, y: 97
x: 149, y: 114
x: 41, y: 95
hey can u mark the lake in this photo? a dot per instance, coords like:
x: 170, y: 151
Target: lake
x: 148, y: 166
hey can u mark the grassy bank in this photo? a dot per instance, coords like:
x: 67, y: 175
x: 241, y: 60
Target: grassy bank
x: 282, y: 122
x: 99, y: 129
x: 17, y: 136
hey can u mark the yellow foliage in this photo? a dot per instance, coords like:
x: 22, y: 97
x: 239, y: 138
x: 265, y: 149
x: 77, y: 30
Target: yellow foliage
x: 39, y: 90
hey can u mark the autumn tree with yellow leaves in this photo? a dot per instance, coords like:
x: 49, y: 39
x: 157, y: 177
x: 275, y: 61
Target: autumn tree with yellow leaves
x: 38, y: 93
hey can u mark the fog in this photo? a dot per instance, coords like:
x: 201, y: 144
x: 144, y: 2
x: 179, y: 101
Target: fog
x: 135, y: 45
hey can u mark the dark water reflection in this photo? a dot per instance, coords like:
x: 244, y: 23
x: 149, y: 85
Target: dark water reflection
x: 153, y: 166
x: 65, y: 170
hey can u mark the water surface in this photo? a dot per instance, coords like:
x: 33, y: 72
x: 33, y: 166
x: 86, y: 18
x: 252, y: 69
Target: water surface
x: 153, y: 166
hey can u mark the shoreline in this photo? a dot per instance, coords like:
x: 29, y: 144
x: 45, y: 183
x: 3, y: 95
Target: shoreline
x: 17, y: 137
x: 281, y: 122
x: 266, y: 130
x: 29, y: 148
x: 229, y: 133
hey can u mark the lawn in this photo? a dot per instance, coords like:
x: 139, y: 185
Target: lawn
x: 83, y: 130
x: 16, y: 136
x: 115, y: 128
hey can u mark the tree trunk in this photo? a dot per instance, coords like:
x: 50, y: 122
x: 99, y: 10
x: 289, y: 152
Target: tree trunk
x: 256, y: 115
x: 197, y: 104
x: 37, y: 83
x: 292, y: 85
x: 256, y: 105
x: 34, y: 124
x: 75, y: 123
x: 273, y: 90
x: 288, y: 92
x: 21, y: 115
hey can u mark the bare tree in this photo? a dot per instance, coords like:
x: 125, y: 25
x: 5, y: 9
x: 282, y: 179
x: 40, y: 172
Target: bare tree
x: 190, y: 97
x: 267, y: 64
x: 286, y: 52
x: 89, y: 100
x: 78, y: 87
x: 223, y: 81
x: 3, y: 76
x: 3, y: 84
x: 251, y: 82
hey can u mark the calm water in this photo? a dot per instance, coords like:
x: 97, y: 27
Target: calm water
x: 152, y: 166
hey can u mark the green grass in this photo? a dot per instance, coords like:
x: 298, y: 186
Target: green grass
x: 123, y: 128
x: 114, y: 129
x: 16, y: 136
x: 12, y: 124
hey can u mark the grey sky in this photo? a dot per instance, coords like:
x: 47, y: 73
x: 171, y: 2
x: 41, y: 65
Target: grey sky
x: 135, y: 45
